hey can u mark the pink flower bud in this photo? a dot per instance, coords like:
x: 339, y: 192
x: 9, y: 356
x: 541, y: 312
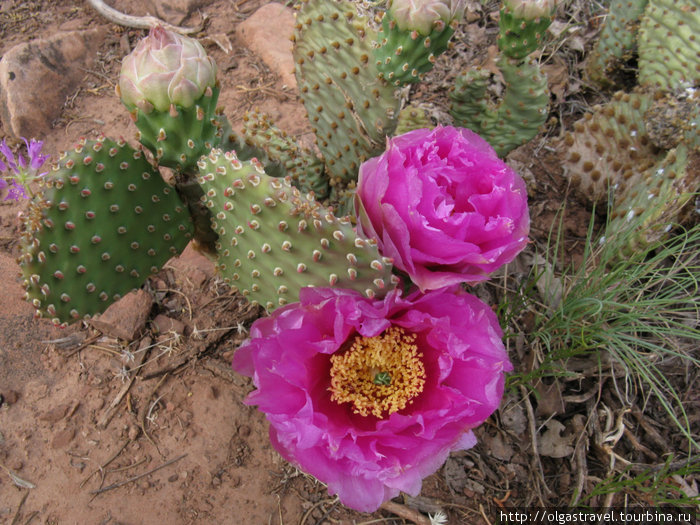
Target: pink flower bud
x: 421, y: 15
x: 165, y: 68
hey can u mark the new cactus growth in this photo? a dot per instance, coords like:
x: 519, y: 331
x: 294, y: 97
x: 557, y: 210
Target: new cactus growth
x: 413, y: 35
x: 350, y: 108
x: 516, y: 118
x: 522, y: 26
x: 617, y: 44
x: 283, y: 155
x: 106, y: 221
x: 168, y: 83
x: 273, y: 240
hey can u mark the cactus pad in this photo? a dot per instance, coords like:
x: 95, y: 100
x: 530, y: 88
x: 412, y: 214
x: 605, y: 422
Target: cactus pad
x: 273, y: 240
x: 519, y: 115
x: 350, y: 108
x: 403, y: 56
x: 177, y: 138
x: 617, y: 44
x: 518, y: 35
x: 669, y: 47
x: 105, y: 222
x: 609, y: 147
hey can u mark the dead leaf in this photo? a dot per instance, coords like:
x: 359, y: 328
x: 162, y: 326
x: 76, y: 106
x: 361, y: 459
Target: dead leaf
x: 552, y: 444
x: 549, y: 399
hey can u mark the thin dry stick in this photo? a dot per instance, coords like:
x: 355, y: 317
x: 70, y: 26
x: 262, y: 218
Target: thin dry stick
x: 138, y: 476
x: 141, y: 22
x: 102, y: 467
x: 144, y: 411
x: 15, y: 519
x: 109, y: 413
x: 533, y: 437
x: 405, y: 512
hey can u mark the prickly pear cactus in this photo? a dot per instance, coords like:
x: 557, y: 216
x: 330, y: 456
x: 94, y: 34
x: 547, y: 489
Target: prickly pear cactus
x: 403, y: 56
x: 612, y: 160
x: 350, y: 108
x: 273, y: 240
x: 516, y: 118
x: 658, y: 199
x: 610, y: 147
x: 105, y: 222
x: 179, y: 136
x: 284, y: 155
x: 669, y: 47
x: 412, y: 118
x: 522, y: 26
x: 617, y: 45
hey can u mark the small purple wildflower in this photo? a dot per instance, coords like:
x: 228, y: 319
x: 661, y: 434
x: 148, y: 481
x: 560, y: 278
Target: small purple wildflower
x: 18, y: 173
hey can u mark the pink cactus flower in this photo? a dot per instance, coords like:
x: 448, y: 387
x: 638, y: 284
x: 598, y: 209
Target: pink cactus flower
x: 371, y: 396
x: 444, y: 206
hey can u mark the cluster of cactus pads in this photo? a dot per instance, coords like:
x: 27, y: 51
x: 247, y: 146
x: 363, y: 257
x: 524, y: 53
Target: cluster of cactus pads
x: 275, y: 215
x: 639, y: 153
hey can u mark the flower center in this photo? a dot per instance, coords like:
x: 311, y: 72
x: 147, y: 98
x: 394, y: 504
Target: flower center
x: 379, y: 375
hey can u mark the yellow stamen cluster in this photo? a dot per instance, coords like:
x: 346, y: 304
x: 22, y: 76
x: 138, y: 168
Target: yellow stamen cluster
x: 359, y: 375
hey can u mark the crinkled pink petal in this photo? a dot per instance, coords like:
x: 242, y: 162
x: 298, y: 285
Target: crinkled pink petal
x: 443, y: 206
x: 364, y: 459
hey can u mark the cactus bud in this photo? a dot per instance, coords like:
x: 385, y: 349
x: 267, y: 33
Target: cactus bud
x: 165, y: 68
x: 421, y: 15
x: 530, y: 9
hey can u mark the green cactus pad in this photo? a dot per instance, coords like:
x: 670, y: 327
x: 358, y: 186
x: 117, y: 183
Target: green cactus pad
x: 273, y: 240
x: 516, y: 119
x: 610, y: 147
x: 402, y: 57
x: 412, y: 118
x: 617, y: 44
x: 613, y: 161
x: 177, y: 138
x: 305, y: 168
x: 656, y: 201
x: 106, y: 220
x: 669, y: 45
x: 518, y: 36
x: 351, y: 110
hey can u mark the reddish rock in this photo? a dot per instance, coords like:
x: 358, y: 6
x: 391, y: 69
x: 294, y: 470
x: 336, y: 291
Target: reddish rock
x: 125, y: 318
x: 10, y: 397
x: 164, y: 325
x: 191, y: 269
x: 267, y: 33
x: 63, y: 438
x: 58, y: 64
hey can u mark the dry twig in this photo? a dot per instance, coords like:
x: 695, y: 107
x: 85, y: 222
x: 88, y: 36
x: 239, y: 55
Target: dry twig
x: 138, y: 476
x: 141, y: 22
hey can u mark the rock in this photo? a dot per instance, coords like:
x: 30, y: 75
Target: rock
x: 125, y: 318
x: 164, y: 325
x: 10, y: 397
x: 63, y: 438
x: 191, y: 268
x: 37, y: 76
x: 175, y: 11
x: 267, y: 33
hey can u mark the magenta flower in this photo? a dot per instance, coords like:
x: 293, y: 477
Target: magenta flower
x: 444, y: 206
x: 21, y: 171
x: 371, y: 396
